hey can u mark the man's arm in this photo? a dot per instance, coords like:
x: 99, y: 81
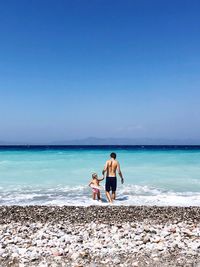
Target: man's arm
x: 105, y: 168
x: 120, y: 173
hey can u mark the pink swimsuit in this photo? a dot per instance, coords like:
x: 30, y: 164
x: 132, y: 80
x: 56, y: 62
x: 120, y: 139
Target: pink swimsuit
x: 95, y: 190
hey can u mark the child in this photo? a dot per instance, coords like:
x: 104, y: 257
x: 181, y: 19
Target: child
x: 94, y: 184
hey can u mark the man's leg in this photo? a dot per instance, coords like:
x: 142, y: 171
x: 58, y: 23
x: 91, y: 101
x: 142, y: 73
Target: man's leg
x: 113, y: 188
x: 107, y: 189
x: 108, y: 196
x: 113, y: 195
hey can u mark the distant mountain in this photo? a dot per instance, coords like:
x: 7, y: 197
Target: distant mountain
x: 112, y: 141
x: 4, y: 143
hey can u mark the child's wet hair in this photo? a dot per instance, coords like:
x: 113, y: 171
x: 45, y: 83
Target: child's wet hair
x: 94, y: 175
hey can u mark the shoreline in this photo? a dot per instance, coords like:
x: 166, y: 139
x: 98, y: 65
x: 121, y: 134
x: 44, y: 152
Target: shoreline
x: 99, y: 236
x: 86, y: 214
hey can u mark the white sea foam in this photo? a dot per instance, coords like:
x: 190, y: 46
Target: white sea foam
x: 81, y: 196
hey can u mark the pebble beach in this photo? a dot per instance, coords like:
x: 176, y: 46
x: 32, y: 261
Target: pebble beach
x: 99, y: 236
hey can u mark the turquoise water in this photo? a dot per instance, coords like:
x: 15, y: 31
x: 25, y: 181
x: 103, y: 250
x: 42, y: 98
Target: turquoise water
x: 60, y: 176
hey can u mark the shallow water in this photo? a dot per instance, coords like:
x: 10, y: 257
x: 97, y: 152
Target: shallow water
x: 60, y: 175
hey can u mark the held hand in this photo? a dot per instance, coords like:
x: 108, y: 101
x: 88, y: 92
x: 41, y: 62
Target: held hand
x: 122, y: 180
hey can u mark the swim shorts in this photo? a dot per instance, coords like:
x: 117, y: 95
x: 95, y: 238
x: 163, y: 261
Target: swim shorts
x: 111, y: 184
x: 95, y: 190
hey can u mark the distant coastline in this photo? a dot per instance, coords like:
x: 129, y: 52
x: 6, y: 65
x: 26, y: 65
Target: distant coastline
x: 93, y: 141
x: 101, y: 147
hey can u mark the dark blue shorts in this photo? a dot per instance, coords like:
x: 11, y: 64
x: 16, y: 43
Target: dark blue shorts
x: 111, y: 184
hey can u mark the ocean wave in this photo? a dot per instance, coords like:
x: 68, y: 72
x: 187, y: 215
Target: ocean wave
x: 81, y: 196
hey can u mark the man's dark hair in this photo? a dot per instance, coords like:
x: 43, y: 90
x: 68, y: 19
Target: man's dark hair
x: 113, y: 155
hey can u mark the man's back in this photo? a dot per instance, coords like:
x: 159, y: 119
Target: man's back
x: 112, y: 165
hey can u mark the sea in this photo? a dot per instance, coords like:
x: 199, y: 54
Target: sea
x: 59, y: 175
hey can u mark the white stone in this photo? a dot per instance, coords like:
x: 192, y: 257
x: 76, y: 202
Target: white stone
x: 165, y: 234
x: 14, y: 255
x: 75, y: 256
x: 2, y: 251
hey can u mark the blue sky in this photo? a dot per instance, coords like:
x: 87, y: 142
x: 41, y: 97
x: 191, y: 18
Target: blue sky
x: 73, y: 69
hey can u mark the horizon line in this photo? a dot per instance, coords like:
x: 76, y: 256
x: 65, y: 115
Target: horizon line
x: 99, y: 145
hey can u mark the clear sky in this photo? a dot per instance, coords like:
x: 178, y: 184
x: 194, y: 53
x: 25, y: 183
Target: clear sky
x: 105, y: 68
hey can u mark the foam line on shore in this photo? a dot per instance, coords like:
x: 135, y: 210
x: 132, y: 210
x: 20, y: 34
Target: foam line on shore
x: 81, y: 196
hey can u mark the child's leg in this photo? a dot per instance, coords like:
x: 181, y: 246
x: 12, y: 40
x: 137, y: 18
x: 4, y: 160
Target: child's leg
x: 93, y: 195
x: 99, y: 196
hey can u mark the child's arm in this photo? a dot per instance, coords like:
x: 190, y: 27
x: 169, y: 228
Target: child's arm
x: 91, y: 182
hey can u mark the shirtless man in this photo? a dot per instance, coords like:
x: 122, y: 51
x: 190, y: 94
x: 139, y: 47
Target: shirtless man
x: 110, y: 169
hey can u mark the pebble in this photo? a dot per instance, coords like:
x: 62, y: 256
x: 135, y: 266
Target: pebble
x: 138, y: 243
